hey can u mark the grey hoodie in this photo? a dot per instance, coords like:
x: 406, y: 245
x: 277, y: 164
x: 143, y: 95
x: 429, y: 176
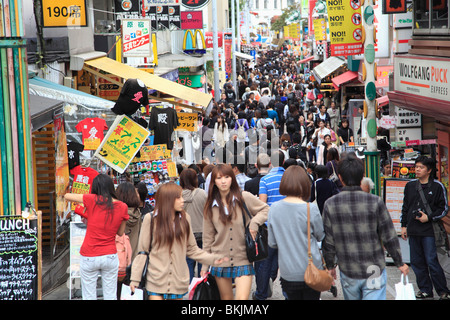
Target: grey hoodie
x: 194, y: 203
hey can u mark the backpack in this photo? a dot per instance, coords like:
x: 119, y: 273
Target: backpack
x: 241, y: 131
x: 124, y: 252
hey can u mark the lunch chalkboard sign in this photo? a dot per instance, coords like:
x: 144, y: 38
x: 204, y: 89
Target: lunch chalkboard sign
x: 19, y: 258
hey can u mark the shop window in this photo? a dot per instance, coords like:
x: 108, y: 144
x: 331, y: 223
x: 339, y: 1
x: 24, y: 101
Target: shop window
x: 431, y: 17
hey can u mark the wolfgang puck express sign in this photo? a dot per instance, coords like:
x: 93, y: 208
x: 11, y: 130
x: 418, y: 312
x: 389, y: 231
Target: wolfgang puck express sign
x: 429, y: 78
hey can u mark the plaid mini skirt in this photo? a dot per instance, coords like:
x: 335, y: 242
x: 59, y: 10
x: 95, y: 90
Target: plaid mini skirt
x: 167, y: 296
x: 232, y: 272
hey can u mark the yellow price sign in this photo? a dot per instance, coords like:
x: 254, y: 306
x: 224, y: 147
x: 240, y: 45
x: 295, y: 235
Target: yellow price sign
x: 187, y: 122
x: 64, y: 13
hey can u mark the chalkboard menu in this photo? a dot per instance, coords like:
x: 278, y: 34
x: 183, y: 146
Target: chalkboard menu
x: 18, y: 258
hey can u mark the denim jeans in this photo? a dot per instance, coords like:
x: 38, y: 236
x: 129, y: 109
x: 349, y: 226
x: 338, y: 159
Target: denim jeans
x: 425, y: 264
x: 191, y: 264
x: 105, y: 266
x: 264, y: 270
x: 364, y: 289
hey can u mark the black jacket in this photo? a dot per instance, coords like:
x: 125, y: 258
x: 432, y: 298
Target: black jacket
x: 436, y: 196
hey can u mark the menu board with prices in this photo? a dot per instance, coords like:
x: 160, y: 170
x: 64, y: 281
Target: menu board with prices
x: 19, y: 263
x: 393, y: 198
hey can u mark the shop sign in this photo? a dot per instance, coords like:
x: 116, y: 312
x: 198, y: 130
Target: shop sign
x: 407, y: 119
x: 394, y: 6
x: 108, y: 90
x: 403, y: 169
x: 136, y: 38
x: 64, y: 13
x: 187, y: 122
x: 194, y: 4
x: 156, y: 152
x: 149, y: 3
x: 406, y: 134
x: 192, y: 81
x: 345, y: 24
x: 191, y: 45
x: 191, y: 20
x: 422, y: 77
x: 119, y: 147
x: 387, y: 122
x: 383, y: 76
x: 209, y: 39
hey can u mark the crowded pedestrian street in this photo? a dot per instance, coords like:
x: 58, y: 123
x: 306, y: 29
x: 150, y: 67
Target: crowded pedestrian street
x: 242, y: 150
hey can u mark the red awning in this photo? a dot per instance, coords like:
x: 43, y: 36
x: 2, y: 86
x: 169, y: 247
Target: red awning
x: 382, y: 101
x: 344, y: 78
x: 306, y: 60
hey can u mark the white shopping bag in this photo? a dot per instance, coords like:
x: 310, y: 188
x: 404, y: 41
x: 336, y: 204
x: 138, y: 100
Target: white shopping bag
x: 126, y: 293
x: 404, y: 291
x: 195, y: 281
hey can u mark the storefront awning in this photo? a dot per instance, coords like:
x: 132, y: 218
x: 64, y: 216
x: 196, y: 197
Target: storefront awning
x: 159, y: 84
x: 431, y: 107
x: 327, y: 67
x: 382, y: 101
x: 243, y: 56
x: 306, y: 60
x: 344, y: 78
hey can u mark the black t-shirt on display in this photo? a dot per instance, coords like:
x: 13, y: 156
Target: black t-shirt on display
x: 134, y: 94
x: 73, y: 152
x: 163, y: 121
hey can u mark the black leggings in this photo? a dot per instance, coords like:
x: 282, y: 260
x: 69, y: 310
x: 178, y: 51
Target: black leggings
x: 298, y: 290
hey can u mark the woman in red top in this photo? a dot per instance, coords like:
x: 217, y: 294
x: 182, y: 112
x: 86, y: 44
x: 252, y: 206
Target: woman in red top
x: 106, y: 217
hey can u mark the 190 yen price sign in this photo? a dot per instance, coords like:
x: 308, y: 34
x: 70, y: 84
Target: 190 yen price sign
x: 64, y: 13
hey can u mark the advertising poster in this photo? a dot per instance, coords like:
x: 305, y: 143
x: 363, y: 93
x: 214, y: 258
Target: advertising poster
x: 136, y: 38
x: 393, y: 198
x: 124, y: 139
x: 345, y: 24
x: 403, y: 169
x: 191, y: 20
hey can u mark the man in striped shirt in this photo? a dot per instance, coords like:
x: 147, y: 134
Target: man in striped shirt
x: 269, y: 192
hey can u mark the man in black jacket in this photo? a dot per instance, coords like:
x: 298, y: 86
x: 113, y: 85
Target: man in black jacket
x: 417, y: 224
x: 263, y: 166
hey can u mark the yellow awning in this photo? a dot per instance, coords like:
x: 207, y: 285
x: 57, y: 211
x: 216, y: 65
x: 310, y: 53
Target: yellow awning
x: 152, y: 81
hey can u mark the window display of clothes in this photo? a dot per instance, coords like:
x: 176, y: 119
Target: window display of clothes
x: 133, y: 95
x: 163, y: 121
x: 92, y: 131
x: 73, y: 153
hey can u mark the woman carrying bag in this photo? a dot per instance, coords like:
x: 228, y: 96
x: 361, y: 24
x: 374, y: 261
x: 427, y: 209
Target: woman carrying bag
x: 168, y: 245
x: 287, y: 226
x: 224, y: 232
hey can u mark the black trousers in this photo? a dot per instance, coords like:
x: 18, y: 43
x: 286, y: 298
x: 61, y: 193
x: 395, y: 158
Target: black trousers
x: 298, y: 290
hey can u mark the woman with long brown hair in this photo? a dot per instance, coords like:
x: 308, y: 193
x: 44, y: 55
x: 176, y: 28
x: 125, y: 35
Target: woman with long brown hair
x: 223, y: 231
x: 168, y: 238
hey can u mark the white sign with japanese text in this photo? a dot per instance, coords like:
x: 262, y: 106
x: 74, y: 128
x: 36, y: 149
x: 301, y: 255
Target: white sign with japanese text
x: 136, y: 38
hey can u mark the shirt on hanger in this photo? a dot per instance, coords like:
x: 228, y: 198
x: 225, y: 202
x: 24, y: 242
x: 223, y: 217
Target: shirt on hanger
x: 134, y: 94
x: 82, y: 179
x: 92, y: 130
x: 163, y: 121
x: 73, y: 152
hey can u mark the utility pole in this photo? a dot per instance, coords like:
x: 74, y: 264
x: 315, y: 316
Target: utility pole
x: 233, y: 41
x: 372, y: 155
x: 215, y: 52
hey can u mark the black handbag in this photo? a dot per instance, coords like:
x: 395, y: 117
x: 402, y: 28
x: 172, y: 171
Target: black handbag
x: 207, y: 289
x: 257, y: 249
x: 127, y: 279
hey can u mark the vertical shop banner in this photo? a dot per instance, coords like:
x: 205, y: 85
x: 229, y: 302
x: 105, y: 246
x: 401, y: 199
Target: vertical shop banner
x: 136, y: 38
x: 123, y: 140
x: 345, y: 23
x: 62, y: 176
x: 320, y: 29
x: 227, y: 44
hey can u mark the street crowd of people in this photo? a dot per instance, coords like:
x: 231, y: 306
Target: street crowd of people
x: 274, y: 148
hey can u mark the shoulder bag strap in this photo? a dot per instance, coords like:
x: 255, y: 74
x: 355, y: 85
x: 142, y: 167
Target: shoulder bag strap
x: 309, y: 232
x: 424, y: 200
x: 243, y: 215
x: 151, y: 237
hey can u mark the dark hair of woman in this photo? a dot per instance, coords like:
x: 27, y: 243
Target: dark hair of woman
x: 103, y: 187
x: 126, y: 192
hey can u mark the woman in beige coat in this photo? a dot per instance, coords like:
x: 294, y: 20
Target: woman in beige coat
x: 169, y: 243
x: 223, y: 231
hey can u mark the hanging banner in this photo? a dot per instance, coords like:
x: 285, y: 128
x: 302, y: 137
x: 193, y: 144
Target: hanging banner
x: 123, y: 141
x: 227, y: 40
x: 320, y: 29
x: 345, y: 23
x: 136, y: 40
